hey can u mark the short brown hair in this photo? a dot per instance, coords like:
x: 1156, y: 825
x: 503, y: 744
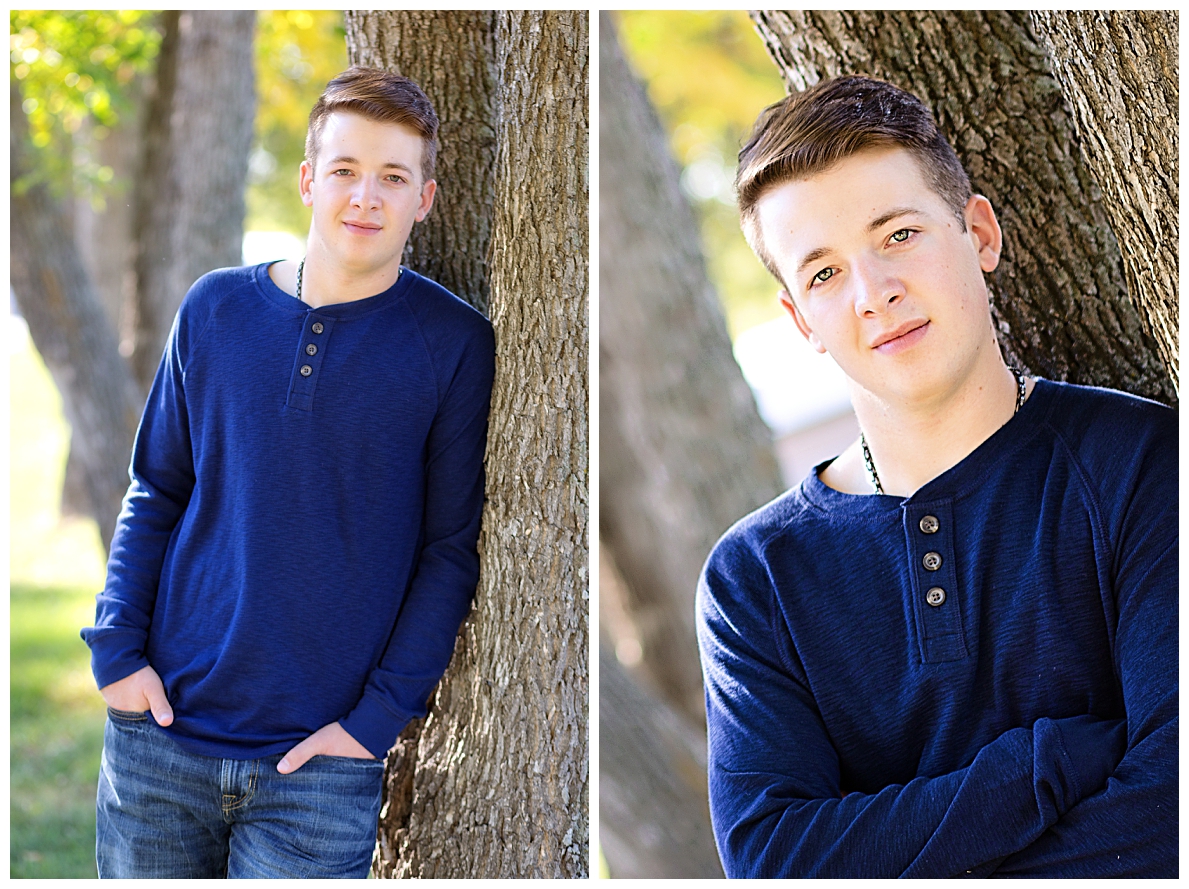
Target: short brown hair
x: 808, y: 132
x: 381, y: 96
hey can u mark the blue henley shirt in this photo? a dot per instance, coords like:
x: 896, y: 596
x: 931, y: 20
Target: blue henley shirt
x: 978, y: 679
x: 298, y: 543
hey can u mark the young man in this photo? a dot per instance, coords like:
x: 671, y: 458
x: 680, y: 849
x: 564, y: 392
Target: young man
x: 297, y: 548
x: 952, y: 650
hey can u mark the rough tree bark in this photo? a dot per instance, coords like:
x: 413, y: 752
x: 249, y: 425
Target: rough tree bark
x: 189, y: 204
x: 70, y: 329
x: 1059, y: 296
x: 1119, y: 73
x: 495, y: 783
x: 683, y: 452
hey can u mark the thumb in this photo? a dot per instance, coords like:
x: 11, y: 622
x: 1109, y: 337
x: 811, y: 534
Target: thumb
x: 155, y: 694
x: 297, y: 757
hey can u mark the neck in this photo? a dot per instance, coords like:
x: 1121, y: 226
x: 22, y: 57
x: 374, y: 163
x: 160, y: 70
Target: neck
x: 326, y: 281
x: 912, y: 443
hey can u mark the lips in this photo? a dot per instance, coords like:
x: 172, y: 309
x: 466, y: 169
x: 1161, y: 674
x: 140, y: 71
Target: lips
x: 369, y: 226
x: 904, y: 335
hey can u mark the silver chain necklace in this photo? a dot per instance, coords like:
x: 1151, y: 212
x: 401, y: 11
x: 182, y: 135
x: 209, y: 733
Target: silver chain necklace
x: 1021, y: 391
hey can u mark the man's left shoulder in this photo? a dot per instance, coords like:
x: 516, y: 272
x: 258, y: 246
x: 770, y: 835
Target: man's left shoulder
x: 1109, y: 420
x: 437, y: 309
x: 1125, y: 448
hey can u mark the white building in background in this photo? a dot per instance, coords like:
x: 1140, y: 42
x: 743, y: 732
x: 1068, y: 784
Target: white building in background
x: 801, y: 395
x: 266, y: 246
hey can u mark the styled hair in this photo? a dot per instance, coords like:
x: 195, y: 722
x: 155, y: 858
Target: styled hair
x: 808, y: 132
x: 380, y: 96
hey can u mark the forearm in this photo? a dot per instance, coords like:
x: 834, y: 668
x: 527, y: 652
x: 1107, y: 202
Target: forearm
x: 1129, y: 829
x: 1017, y: 787
x: 419, y: 651
x: 162, y: 481
x: 440, y: 594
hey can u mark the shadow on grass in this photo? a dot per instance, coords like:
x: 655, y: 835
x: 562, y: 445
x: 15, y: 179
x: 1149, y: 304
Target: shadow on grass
x: 56, y: 733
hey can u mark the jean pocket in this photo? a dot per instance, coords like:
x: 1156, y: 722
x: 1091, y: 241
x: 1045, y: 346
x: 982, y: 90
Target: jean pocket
x: 128, y: 715
x: 354, y: 760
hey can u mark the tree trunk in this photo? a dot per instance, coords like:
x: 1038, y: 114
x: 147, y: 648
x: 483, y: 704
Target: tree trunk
x: 654, y: 817
x: 654, y: 811
x: 104, y: 233
x: 70, y: 330
x: 190, y: 197
x: 683, y: 452
x: 104, y: 239
x: 1119, y: 72
x: 450, y: 55
x: 1059, y: 296
x: 495, y: 785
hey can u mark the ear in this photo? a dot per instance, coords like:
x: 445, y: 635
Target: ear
x: 786, y: 300
x: 428, y: 190
x: 305, y: 183
x: 984, y: 231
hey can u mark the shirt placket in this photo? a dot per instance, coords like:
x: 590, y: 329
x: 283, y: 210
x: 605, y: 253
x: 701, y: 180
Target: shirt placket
x: 307, y: 366
x: 929, y: 539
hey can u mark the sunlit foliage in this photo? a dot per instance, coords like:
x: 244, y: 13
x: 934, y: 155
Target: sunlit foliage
x: 297, y: 52
x: 77, y: 69
x: 709, y: 76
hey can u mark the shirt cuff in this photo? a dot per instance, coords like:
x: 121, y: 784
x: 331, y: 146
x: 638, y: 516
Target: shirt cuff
x: 115, y: 653
x: 374, y: 726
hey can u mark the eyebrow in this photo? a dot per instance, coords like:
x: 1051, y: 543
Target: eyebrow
x: 878, y: 222
x: 884, y: 219
x: 344, y: 159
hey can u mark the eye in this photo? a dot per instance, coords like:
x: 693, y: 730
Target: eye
x: 336, y: 172
x: 822, y: 277
x: 901, y: 236
x: 395, y: 178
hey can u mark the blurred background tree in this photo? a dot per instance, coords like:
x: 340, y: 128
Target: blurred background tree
x: 682, y: 453
x: 707, y: 75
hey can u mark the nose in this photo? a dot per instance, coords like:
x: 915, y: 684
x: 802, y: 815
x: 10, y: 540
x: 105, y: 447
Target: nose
x: 366, y: 195
x: 876, y: 288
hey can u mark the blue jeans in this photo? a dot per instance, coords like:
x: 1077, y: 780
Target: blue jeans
x: 164, y: 812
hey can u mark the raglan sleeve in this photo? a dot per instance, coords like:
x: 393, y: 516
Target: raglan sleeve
x: 1129, y: 828
x: 443, y: 586
x: 161, y: 482
x: 776, y: 800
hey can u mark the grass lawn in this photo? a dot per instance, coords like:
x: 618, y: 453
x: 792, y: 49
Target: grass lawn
x: 56, y: 567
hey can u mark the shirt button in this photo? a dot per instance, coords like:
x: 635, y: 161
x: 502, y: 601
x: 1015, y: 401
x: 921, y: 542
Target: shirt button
x: 311, y: 349
x: 306, y: 370
x: 929, y: 524
x: 317, y: 327
x: 935, y: 596
x: 932, y: 561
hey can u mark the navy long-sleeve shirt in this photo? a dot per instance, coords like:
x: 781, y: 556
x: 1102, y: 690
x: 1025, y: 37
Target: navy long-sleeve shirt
x: 298, y: 542
x: 980, y: 678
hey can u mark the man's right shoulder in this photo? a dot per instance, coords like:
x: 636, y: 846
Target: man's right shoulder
x: 746, y: 542
x: 213, y: 287
x: 202, y: 301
